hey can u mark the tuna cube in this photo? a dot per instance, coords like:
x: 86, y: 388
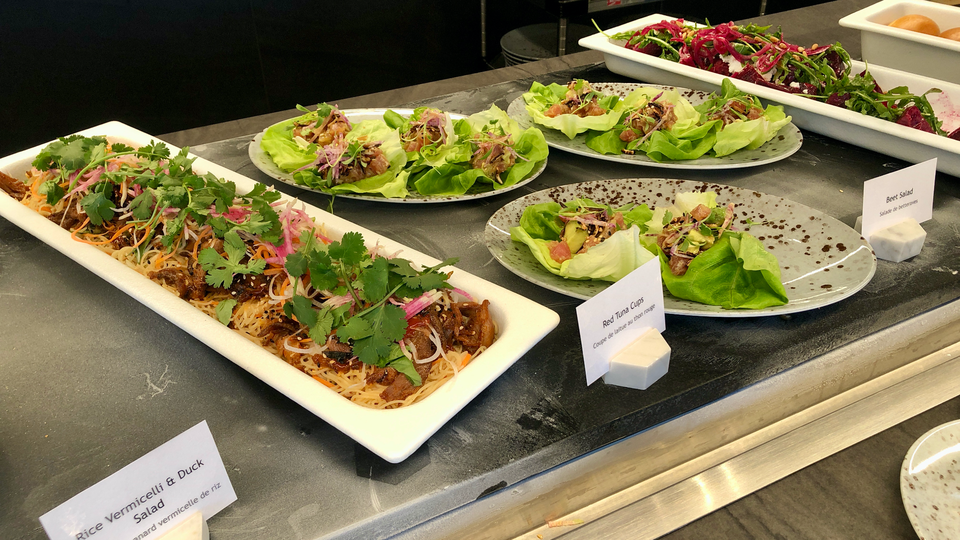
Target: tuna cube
x: 641, y: 363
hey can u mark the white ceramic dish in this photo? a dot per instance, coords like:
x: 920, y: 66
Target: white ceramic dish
x: 822, y: 261
x: 787, y: 141
x: 930, y: 483
x: 391, y: 434
x: 262, y: 161
x: 906, y: 50
x: 875, y: 134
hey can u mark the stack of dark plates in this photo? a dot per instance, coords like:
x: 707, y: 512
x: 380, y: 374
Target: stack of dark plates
x: 539, y: 41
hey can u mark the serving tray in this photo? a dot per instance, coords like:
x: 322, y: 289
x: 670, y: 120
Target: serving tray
x: 391, y: 434
x: 888, y: 138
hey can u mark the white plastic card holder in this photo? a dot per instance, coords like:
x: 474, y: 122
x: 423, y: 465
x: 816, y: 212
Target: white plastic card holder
x: 895, y: 197
x: 618, y: 315
x: 150, y: 496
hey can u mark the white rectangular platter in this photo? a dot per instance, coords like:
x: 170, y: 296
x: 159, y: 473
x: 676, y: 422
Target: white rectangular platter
x: 391, y: 434
x: 868, y: 132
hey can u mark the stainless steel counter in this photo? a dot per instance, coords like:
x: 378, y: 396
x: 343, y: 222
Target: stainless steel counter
x: 92, y: 380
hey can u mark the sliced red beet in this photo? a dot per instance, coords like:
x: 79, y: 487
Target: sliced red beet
x: 911, y: 117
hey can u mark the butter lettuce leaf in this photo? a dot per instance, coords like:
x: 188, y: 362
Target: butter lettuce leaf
x: 615, y: 257
x: 452, y: 151
x: 389, y: 183
x: 279, y: 144
x: 540, y: 221
x: 736, y: 273
x: 750, y: 134
x: 530, y: 145
x: 540, y: 98
x: 610, y: 260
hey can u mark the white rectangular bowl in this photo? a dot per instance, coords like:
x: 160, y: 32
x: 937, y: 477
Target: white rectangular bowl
x: 906, y: 50
x: 391, y: 434
x: 868, y: 132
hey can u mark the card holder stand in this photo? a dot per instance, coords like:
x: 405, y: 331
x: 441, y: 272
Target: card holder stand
x: 192, y: 528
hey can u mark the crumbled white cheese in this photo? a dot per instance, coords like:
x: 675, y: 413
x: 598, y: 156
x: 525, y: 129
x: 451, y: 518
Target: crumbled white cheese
x: 732, y: 62
x: 641, y: 363
x: 898, y: 242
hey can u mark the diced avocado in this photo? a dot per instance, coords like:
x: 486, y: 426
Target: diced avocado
x: 574, y: 235
x: 698, y: 238
x: 717, y: 216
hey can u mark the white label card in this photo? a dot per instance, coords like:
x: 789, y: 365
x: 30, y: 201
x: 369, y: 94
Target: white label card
x: 149, y: 496
x: 618, y: 316
x: 894, y: 197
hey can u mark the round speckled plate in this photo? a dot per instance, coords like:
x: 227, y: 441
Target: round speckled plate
x: 783, y: 145
x: 262, y: 161
x: 822, y: 261
x: 930, y: 483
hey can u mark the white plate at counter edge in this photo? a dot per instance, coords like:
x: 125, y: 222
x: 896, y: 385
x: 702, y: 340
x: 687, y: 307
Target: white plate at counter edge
x: 931, y: 500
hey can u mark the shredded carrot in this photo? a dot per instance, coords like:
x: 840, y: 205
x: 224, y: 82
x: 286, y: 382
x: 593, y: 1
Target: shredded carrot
x: 173, y: 251
x: 163, y: 257
x: 325, y: 382
x: 263, y: 252
x: 466, y: 360
x: 196, y: 245
x: 102, y: 242
x: 146, y: 234
x: 73, y: 234
x: 273, y: 270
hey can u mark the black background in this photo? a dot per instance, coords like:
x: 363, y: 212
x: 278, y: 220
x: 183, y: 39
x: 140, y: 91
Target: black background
x: 168, y: 65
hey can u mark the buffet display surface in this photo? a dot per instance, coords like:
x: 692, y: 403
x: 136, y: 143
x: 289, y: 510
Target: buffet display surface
x: 118, y: 379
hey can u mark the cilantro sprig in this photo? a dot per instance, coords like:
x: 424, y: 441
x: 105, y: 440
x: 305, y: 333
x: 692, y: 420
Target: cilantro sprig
x: 372, y: 324
x: 164, y: 182
x: 220, y: 270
